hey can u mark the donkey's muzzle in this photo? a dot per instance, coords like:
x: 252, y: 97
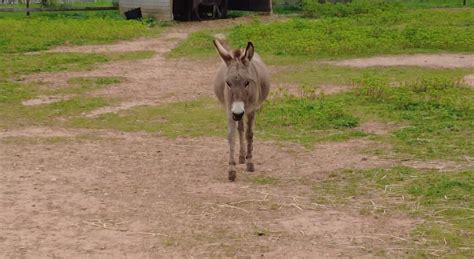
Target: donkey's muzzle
x: 237, y: 116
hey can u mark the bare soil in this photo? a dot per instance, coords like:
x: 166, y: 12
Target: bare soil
x: 423, y: 60
x: 142, y: 195
x: 137, y: 195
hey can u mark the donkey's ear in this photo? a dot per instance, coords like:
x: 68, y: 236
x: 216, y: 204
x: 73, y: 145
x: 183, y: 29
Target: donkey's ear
x: 249, y: 51
x: 223, y: 51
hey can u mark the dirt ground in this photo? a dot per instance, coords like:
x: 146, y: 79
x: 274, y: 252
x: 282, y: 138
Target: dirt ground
x: 109, y: 194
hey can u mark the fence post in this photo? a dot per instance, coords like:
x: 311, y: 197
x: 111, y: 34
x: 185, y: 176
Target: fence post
x: 465, y: 2
x: 28, y: 6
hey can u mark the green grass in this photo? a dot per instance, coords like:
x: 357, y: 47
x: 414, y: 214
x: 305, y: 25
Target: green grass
x: 14, y: 65
x: 443, y: 200
x: 431, y: 3
x: 438, y: 114
x: 411, y: 31
x: 314, y: 74
x: 81, y: 85
x: 194, y: 118
x: 320, y: 120
x: 40, y: 32
x: 56, y: 4
x: 263, y: 180
x: 14, y: 114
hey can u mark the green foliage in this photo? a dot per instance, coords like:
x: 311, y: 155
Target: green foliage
x: 443, y: 200
x: 287, y: 6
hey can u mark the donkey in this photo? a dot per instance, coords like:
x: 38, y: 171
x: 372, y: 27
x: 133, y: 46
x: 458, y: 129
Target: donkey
x: 242, y: 84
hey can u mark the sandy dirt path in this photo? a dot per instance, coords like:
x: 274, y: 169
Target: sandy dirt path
x: 140, y: 195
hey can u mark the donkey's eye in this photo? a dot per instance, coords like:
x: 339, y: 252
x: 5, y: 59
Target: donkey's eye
x: 247, y: 83
x: 227, y: 83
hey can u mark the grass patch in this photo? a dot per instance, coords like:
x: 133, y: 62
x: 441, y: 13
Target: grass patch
x: 14, y: 114
x: 439, y: 114
x: 195, y: 118
x: 263, y: 180
x: 81, y: 85
x: 411, y: 31
x: 14, y: 65
x: 197, y: 45
x: 42, y: 31
x: 321, y: 120
x: 443, y: 200
x: 317, y: 74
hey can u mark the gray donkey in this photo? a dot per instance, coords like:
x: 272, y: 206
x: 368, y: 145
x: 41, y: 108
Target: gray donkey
x: 242, y: 84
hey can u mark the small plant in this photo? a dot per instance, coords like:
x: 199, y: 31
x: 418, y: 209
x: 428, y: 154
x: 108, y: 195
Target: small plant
x: 263, y: 180
x: 373, y: 87
x: 431, y: 84
x: 149, y: 22
x: 309, y: 91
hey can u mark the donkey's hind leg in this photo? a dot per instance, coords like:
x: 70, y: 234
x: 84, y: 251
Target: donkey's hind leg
x: 249, y: 135
x: 242, y: 142
x: 231, y: 138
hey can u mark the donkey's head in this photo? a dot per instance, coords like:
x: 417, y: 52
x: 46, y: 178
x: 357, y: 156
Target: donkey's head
x: 239, y: 79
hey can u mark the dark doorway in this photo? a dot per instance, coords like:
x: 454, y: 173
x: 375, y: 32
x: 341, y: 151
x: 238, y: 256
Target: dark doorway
x: 251, y: 5
x: 181, y: 8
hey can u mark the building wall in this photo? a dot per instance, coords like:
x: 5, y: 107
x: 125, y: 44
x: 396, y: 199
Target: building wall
x: 160, y: 9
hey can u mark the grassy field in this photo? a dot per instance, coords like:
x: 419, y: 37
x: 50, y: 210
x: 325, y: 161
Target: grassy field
x: 431, y: 110
x: 443, y: 201
x: 408, y: 31
x: 43, y: 30
x: 21, y: 34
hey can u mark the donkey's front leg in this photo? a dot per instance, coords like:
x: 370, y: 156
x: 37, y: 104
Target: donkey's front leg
x: 231, y: 139
x: 249, y: 135
x: 242, y: 142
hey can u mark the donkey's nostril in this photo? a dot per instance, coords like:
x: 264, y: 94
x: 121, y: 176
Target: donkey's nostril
x: 237, y: 116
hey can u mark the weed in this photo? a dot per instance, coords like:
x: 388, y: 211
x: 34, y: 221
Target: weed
x: 373, y: 87
x: 263, y: 180
x: 81, y: 85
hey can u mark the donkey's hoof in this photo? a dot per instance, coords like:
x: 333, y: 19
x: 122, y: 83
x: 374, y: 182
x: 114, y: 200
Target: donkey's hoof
x: 232, y: 175
x: 250, y: 167
x: 241, y: 159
